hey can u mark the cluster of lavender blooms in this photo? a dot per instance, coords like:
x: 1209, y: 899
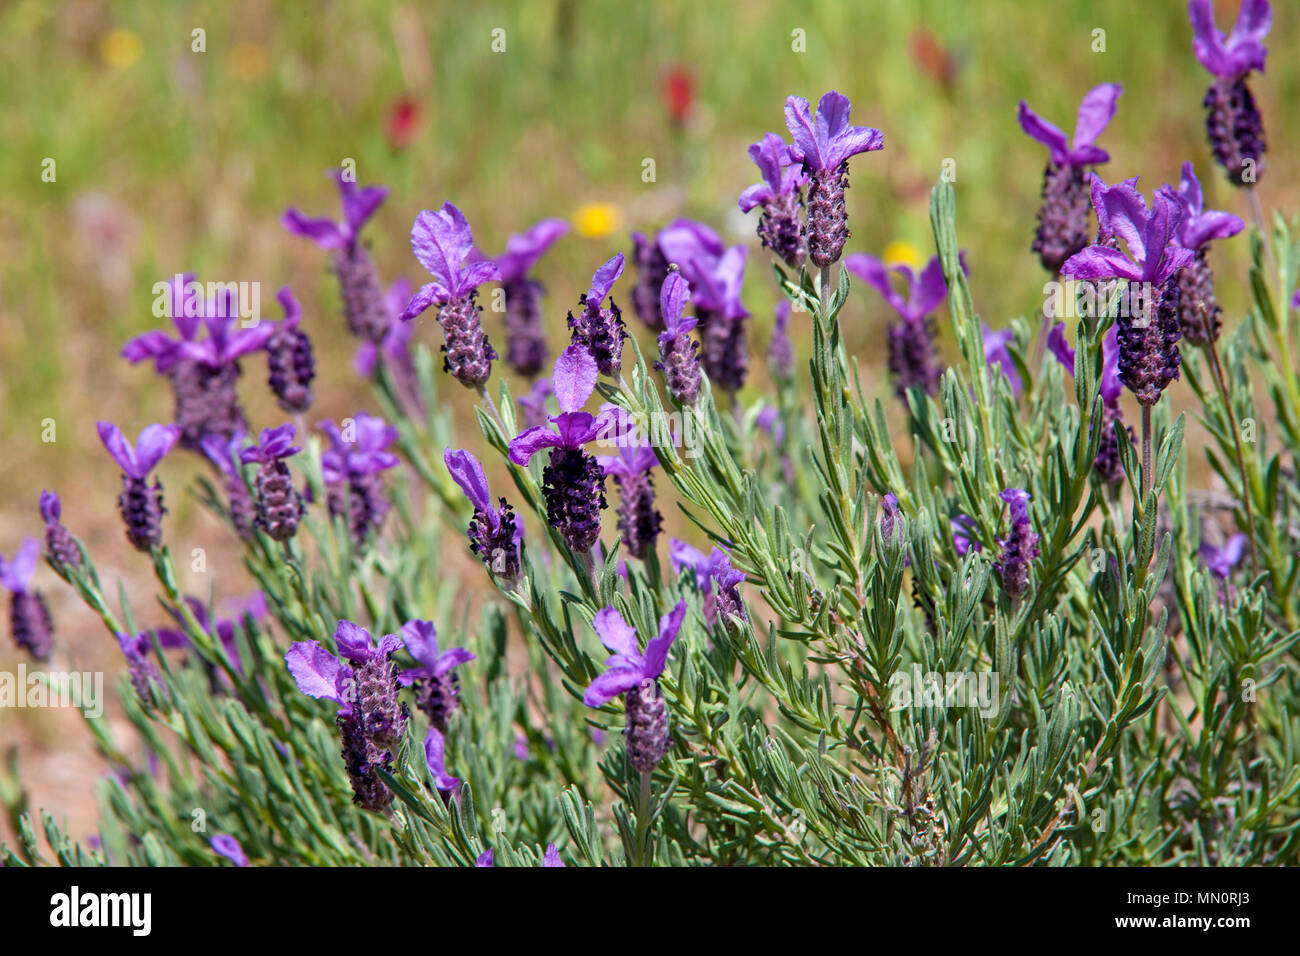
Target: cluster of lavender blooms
x: 688, y: 289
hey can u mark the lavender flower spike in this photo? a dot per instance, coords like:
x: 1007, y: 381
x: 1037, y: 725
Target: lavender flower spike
x: 141, y: 506
x: 525, y: 337
x: 781, y: 195
x: 824, y: 144
x: 442, y: 241
x: 437, y: 688
x: 359, y: 286
x: 1019, y: 547
x: 29, y: 616
x: 1063, y: 215
x: 60, y: 546
x: 598, y: 329
x: 279, y: 505
x: 572, y: 482
x: 651, y: 270
x: 371, y: 719
x: 1148, y: 343
x: 679, y: 358
x: 289, y: 360
x: 639, y: 521
x: 352, y: 471
x: 913, y: 359
x: 713, y: 568
x: 1196, y: 280
x: 494, y: 533
x: 1233, y: 123
x: 228, y: 847
x: 630, y: 672
x: 225, y: 455
x: 146, y: 678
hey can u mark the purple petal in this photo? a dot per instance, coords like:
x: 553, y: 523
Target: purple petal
x: 1095, y: 113
x: 228, y: 846
x: 441, y: 240
x: 1214, y: 224
x: 360, y: 204
x: 552, y: 857
x: 51, y: 507
x: 1043, y: 131
x: 1060, y: 347
x: 484, y: 859
x: 605, y: 278
x: 574, y: 378
x: 1100, y: 262
x: 434, y: 757
x: 429, y: 293
x: 324, y: 232
x: 930, y: 289
x: 468, y: 474
x: 1110, y: 386
x: 155, y: 442
x: 873, y: 272
x: 118, y: 447
x: 422, y: 641
x: 523, y: 251
x: 155, y: 345
x: 803, y: 130
x: 755, y: 195
x: 529, y: 442
x: 771, y: 155
x: 18, y: 573
x: 673, y: 297
x: 292, y: 310
x: 315, y: 670
x: 656, y: 652
x: 353, y: 641
x: 452, y: 658
x: 610, y: 684
x: 615, y: 633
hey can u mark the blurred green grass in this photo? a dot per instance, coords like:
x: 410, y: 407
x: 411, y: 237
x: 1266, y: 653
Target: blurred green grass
x: 184, y: 161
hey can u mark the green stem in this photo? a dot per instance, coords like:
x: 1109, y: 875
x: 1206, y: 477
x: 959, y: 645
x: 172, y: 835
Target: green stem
x: 642, y: 818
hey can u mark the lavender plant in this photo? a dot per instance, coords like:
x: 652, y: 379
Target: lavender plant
x: 1000, y: 633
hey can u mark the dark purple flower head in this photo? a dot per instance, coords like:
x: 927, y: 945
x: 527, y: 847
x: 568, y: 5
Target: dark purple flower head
x: 436, y: 686
x: 679, y: 357
x: 717, y: 580
x: 146, y: 678
x: 1149, y: 236
x: 599, y: 329
x: 395, y: 346
x: 652, y: 269
x: 290, y: 362
x: 1199, y: 224
x: 639, y: 521
x: 1243, y: 50
x: 224, y: 453
x: 627, y: 667
x: 495, y: 533
x: 16, y: 575
x: 574, y: 380
x: 155, y: 441
x: 434, y: 757
x: 523, y: 250
x: 273, y: 445
x: 360, y: 448
x: 1019, y: 547
x: 224, y: 845
x: 1222, y: 560
x: 716, y: 273
x: 442, y: 241
x: 325, y: 676
x: 1095, y: 113
x: 59, y: 544
x: 358, y: 206
x: 825, y: 142
x: 782, y: 175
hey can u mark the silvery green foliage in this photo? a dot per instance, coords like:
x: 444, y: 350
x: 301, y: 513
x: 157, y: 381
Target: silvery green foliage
x: 1143, y: 712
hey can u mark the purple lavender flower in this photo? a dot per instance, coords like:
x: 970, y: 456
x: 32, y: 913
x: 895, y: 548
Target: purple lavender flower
x: 223, y: 629
x: 1108, y: 464
x: 442, y: 241
x: 224, y: 454
x: 713, y: 568
x: 435, y: 758
x: 146, y: 678
x: 60, y: 546
x: 639, y: 521
x: 533, y: 405
x: 636, y: 675
x: 289, y: 359
x: 716, y: 275
x: 889, y: 515
x: 781, y: 196
x: 484, y: 859
x: 998, y: 357
x: 963, y: 535
x: 913, y: 358
x: 598, y: 329
x: 1019, y: 547
x: 494, y: 533
x: 227, y: 846
x: 203, y: 373
x: 352, y: 471
x: 1222, y: 560
x: 525, y: 336
x: 1148, y: 343
x: 437, y: 688
x: 1199, y: 310
x: 359, y: 285
x: 780, y: 350
x: 29, y: 616
x: 141, y: 506
x: 1063, y: 215
x: 824, y: 144
x: 371, y: 718
x: 572, y: 483
x: 552, y: 856
x: 651, y: 270
x: 279, y: 506
x: 679, y: 358
x: 1233, y: 123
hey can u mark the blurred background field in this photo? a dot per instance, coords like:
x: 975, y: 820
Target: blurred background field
x: 170, y: 160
